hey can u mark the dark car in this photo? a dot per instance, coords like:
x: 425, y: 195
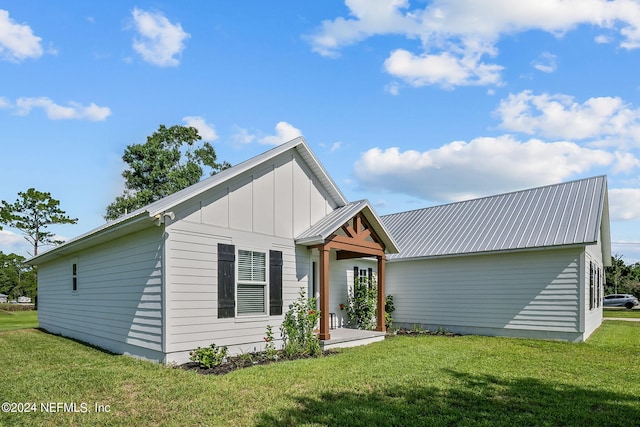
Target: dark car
x: 620, y: 300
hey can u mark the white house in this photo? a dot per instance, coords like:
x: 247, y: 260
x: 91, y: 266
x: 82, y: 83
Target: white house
x: 224, y: 258
x: 526, y: 264
x: 215, y: 262
x: 3, y: 298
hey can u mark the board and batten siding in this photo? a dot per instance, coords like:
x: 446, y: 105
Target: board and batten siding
x: 260, y: 210
x: 524, y: 294
x: 280, y: 198
x: 118, y: 302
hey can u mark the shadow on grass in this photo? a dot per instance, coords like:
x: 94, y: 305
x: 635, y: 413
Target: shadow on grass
x: 469, y: 400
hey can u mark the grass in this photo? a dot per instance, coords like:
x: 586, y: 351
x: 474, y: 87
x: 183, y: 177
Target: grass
x: 621, y: 313
x: 10, y: 320
x: 427, y: 380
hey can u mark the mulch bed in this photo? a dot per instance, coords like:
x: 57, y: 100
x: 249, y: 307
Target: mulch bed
x: 246, y: 360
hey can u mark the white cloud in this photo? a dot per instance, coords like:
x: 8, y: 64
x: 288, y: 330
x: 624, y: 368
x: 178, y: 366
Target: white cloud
x: 242, y: 136
x: 623, y: 203
x: 461, y: 170
x: 625, y: 162
x: 444, y: 69
x: 392, y: 88
x: 284, y: 133
x: 332, y: 147
x: 560, y: 116
x: 17, y: 42
x: 7, y: 238
x: 456, y: 34
x: 73, y: 110
x: 11, y: 242
x: 602, y: 39
x: 546, y: 63
x: 159, y: 41
x: 206, y: 131
x: 371, y: 17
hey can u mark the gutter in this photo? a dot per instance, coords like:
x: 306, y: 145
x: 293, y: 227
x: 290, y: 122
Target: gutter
x: 88, y: 239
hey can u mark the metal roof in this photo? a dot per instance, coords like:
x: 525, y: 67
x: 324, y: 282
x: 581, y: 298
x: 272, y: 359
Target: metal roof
x: 146, y: 215
x: 569, y: 213
x: 317, y: 233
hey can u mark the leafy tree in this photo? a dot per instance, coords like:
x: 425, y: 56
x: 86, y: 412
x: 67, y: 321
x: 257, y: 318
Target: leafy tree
x: 31, y: 213
x: 622, y: 278
x: 16, y: 277
x: 168, y: 161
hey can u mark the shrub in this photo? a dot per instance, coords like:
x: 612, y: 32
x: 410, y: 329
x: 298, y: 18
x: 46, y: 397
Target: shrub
x: 297, y: 328
x: 388, y: 309
x: 361, y: 304
x: 17, y: 307
x: 209, y: 357
x: 270, y: 348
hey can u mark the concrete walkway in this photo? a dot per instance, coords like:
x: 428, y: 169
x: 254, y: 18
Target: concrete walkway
x: 627, y: 319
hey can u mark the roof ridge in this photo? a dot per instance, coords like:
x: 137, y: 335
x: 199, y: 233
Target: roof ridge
x: 491, y: 196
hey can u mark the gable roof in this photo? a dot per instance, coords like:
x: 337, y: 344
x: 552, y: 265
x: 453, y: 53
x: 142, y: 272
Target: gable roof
x: 571, y: 213
x: 145, y: 216
x: 320, y: 231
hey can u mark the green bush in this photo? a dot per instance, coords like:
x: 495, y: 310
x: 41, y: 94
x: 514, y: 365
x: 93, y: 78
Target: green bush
x: 297, y: 328
x: 388, y: 309
x: 361, y: 303
x: 209, y: 357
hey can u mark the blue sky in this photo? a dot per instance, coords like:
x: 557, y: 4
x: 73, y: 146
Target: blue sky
x: 406, y: 103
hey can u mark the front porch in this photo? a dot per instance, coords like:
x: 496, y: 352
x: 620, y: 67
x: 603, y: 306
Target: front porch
x: 345, y: 337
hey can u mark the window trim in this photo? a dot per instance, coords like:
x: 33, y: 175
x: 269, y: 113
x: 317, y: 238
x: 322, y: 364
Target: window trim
x: 264, y: 284
x: 74, y: 276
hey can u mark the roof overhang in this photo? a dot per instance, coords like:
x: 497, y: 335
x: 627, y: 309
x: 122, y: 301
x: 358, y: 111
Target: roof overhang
x: 126, y: 225
x: 323, y: 229
x: 154, y: 212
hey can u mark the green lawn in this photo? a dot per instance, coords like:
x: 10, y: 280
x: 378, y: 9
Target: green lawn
x: 427, y: 380
x: 622, y: 313
x: 10, y: 320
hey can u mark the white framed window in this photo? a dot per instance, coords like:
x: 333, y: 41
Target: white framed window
x: 251, y: 290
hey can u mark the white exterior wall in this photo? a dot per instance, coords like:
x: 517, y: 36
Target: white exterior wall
x: 118, y: 304
x: 534, y: 294
x: 341, y: 282
x: 592, y: 317
x: 261, y: 210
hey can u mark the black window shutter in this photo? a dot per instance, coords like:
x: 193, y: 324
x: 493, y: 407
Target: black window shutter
x: 275, y: 283
x: 356, y: 274
x: 226, y: 280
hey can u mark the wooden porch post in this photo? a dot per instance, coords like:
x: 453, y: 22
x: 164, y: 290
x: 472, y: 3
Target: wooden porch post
x: 324, y: 293
x: 380, y: 326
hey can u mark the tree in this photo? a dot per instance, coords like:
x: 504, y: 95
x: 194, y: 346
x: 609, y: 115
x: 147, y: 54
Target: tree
x: 168, y: 161
x: 31, y: 213
x: 622, y: 278
x: 16, y: 278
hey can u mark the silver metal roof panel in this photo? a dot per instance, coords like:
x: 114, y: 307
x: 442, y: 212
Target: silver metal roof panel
x: 563, y: 214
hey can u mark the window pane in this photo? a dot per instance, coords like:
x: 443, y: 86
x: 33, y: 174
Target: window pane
x: 252, y: 266
x: 251, y: 299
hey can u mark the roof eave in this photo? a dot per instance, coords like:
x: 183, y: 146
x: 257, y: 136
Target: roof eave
x: 90, y: 238
x: 493, y: 252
